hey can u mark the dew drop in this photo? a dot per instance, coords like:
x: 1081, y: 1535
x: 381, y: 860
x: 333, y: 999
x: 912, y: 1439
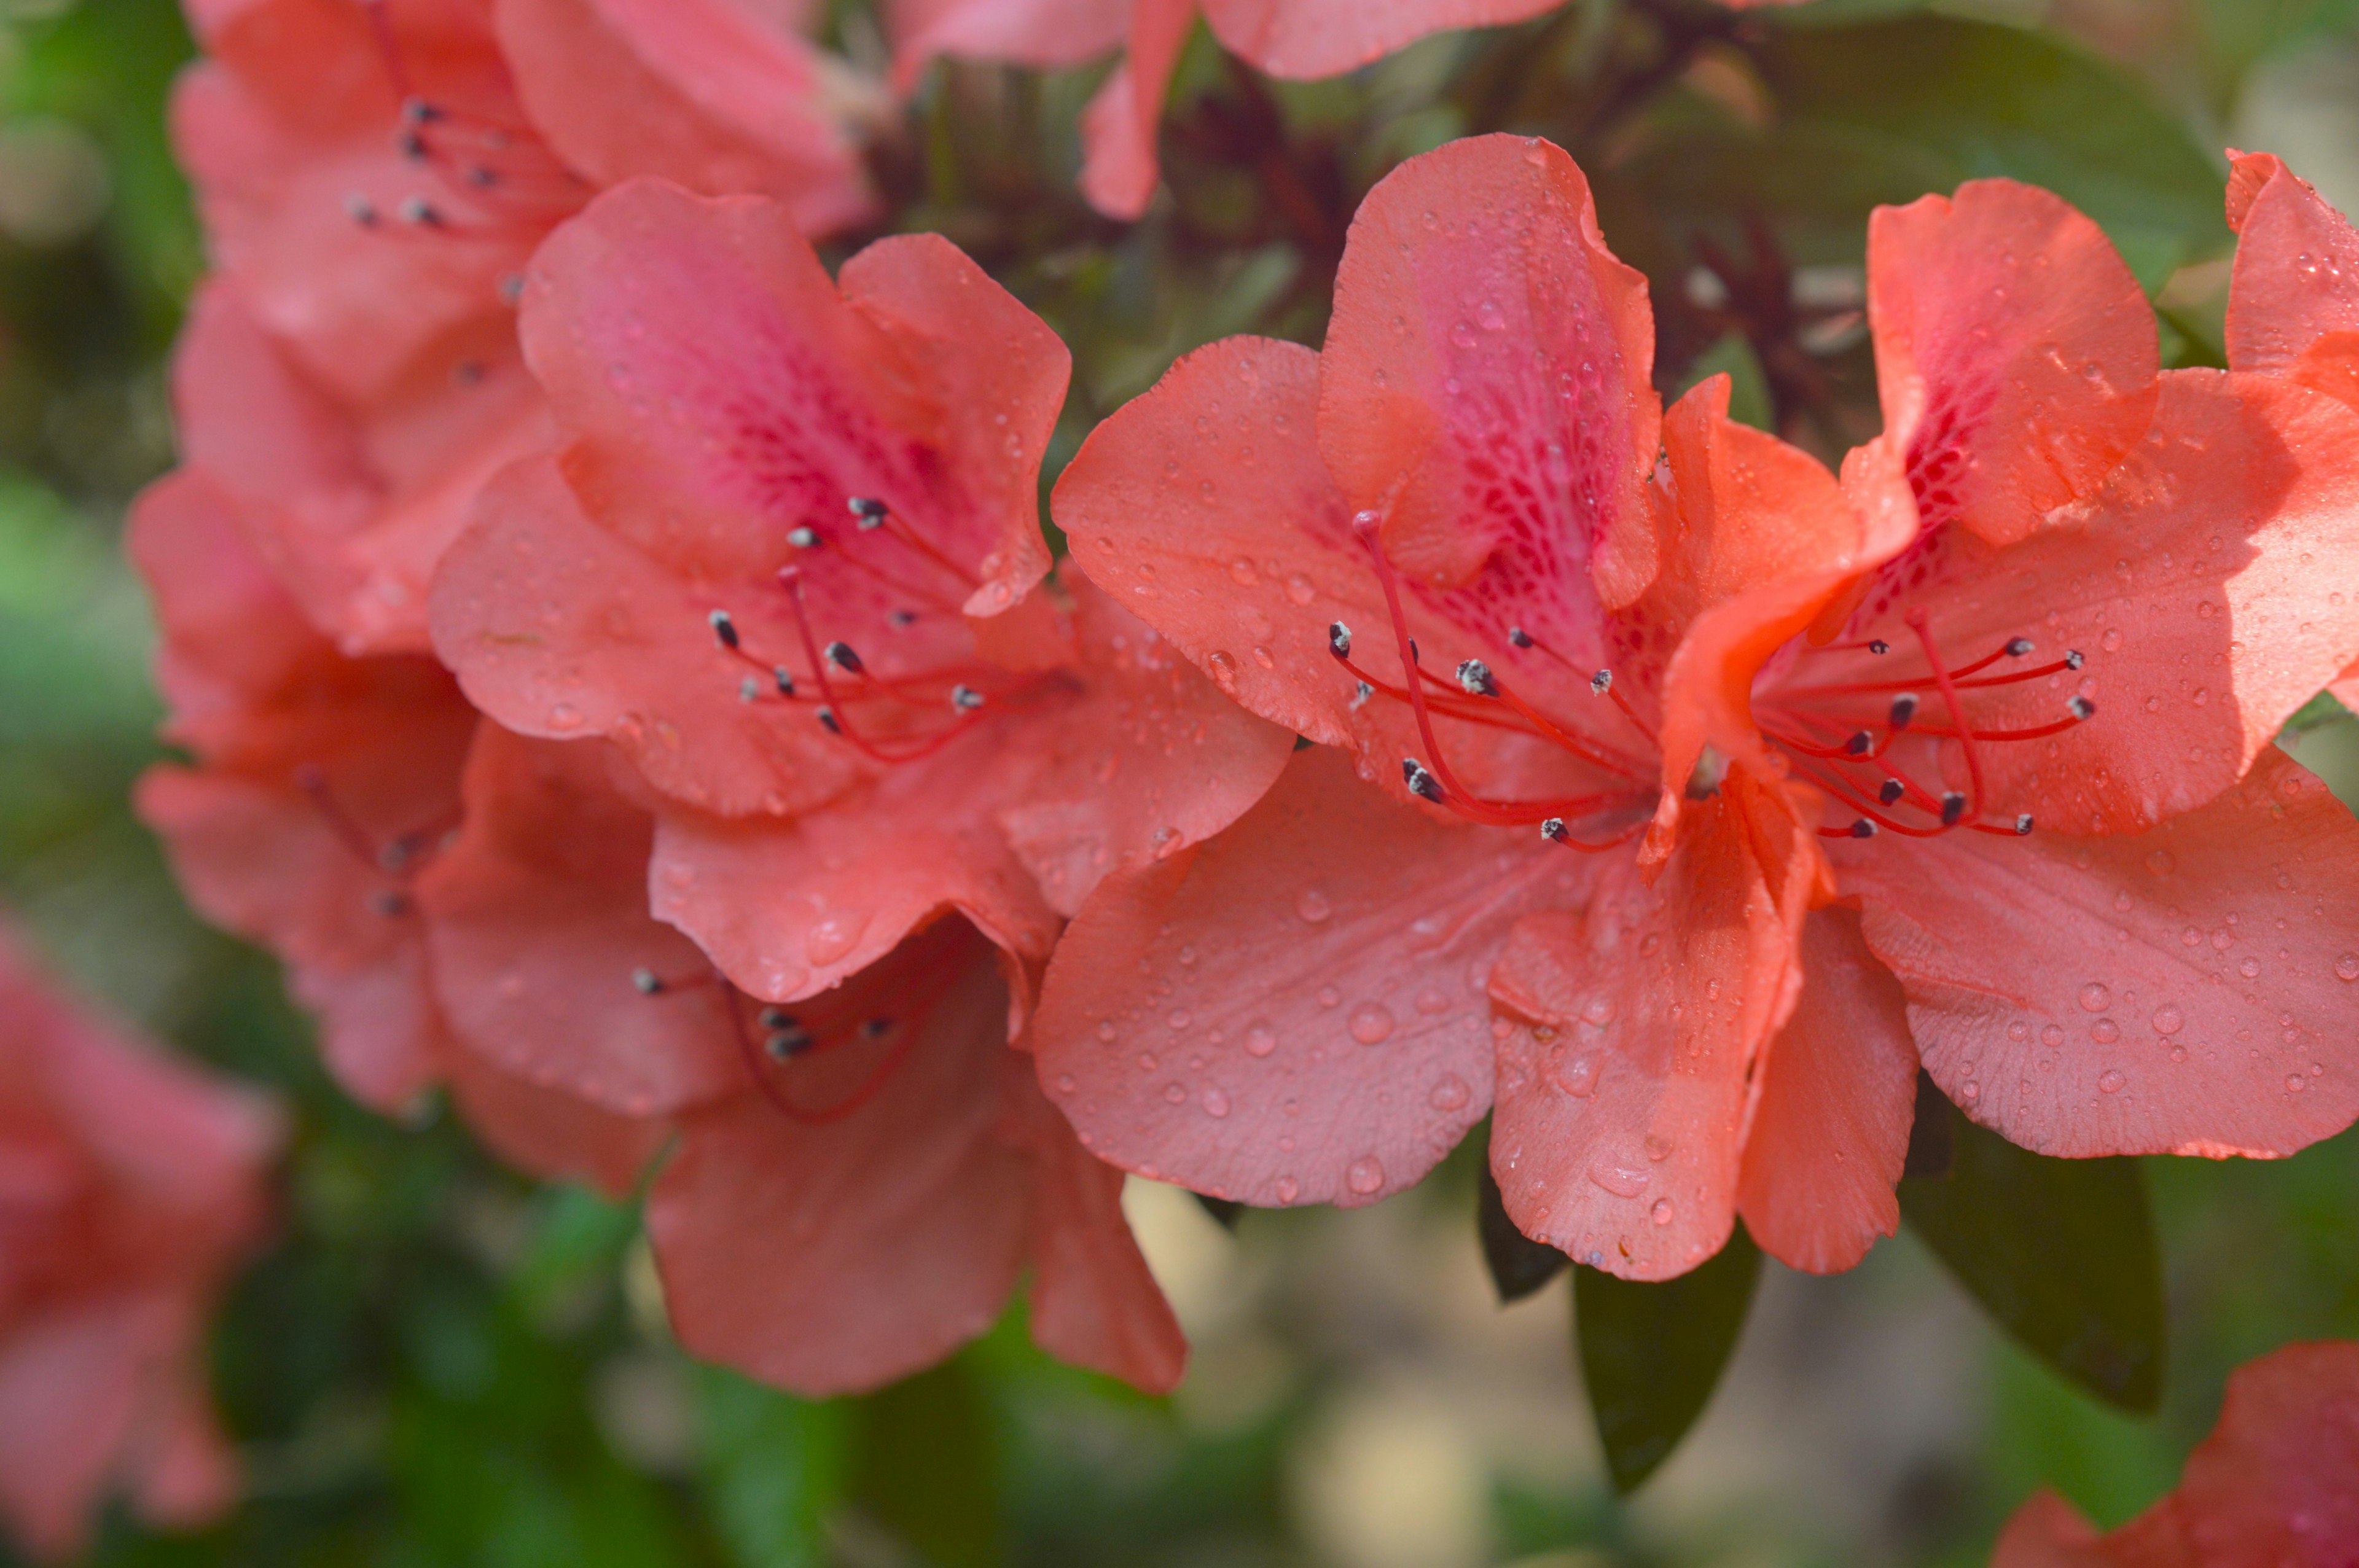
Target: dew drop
x: 1364, y: 1175
x: 1330, y: 997
x: 2095, y: 996
x: 1288, y: 1188
x: 1969, y: 1091
x: 2161, y: 862
x: 1260, y: 1040
x: 1313, y: 907
x: 565, y: 715
x: 2168, y: 1020
x: 1371, y: 1023
x: 2104, y: 1032
x: 835, y: 936
x: 1174, y: 1092
x: 1450, y: 1094
x: 1578, y: 1078
x: 2346, y: 968
x: 2111, y: 1081
x: 1216, y: 1103
x: 1620, y: 1180
x: 2051, y: 1034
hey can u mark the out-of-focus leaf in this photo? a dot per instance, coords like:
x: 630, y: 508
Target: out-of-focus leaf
x: 919, y: 1463
x: 1651, y: 1354
x: 772, y: 1465
x: 1519, y: 1265
x: 2062, y: 1252
x: 1748, y: 393
x: 1887, y: 112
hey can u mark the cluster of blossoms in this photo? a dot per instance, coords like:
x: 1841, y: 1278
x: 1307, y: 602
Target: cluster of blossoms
x: 624, y: 676
x: 130, y: 1189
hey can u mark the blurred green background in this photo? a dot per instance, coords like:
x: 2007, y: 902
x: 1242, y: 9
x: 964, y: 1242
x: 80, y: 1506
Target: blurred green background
x: 438, y: 1364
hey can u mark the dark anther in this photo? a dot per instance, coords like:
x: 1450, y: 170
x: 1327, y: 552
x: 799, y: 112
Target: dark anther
x: 1863, y: 829
x: 2081, y: 707
x: 1553, y: 830
x: 1953, y: 807
x: 2074, y: 659
x: 901, y: 617
x: 1338, y: 639
x: 789, y: 1043
x: 1422, y: 784
x: 646, y: 982
x: 1860, y: 744
x: 875, y: 1028
x: 784, y: 680
x: 749, y: 689
x: 468, y: 373
x: 1601, y: 683
x: 482, y: 178
x: 724, y: 628
x: 840, y: 656
x: 512, y: 287
x: 966, y: 699
x: 803, y: 539
x: 1879, y: 647
x: 1519, y: 638
x: 1893, y: 790
x: 419, y: 211
x: 869, y: 510
x: 776, y: 1018
x: 2018, y: 646
x: 412, y: 145
x: 1414, y: 656
x: 2023, y: 824
x: 389, y: 903
x: 361, y: 210
x: 1475, y: 675
x: 1904, y: 708
x: 419, y: 112
x: 1361, y: 695
x: 828, y: 721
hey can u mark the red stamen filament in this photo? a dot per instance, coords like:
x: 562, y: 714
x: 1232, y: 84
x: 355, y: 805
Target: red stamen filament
x: 1458, y: 797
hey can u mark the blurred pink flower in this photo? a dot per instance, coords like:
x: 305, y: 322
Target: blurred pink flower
x: 131, y: 1188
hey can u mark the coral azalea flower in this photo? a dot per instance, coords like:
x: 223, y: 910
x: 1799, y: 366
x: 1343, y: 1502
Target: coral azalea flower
x: 130, y: 1188
x: 797, y: 1124
x: 2271, y: 1487
x: 1857, y: 704
x: 788, y: 562
x: 324, y: 791
x: 2293, y: 304
x: 373, y: 177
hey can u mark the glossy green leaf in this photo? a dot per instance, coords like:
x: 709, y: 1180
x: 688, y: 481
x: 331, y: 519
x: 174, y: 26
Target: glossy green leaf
x: 1888, y: 112
x: 1519, y: 1265
x: 2062, y: 1252
x: 1652, y: 1353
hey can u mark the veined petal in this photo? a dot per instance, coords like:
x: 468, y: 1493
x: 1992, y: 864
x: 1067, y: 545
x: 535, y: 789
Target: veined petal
x: 1045, y: 34
x: 1486, y: 387
x: 2184, y: 990
x: 2297, y: 273
x: 1307, y: 39
x: 553, y: 1133
x: 1838, y: 1094
x: 1624, y: 1088
x: 2016, y: 353
x: 1323, y: 1037
x: 1120, y: 166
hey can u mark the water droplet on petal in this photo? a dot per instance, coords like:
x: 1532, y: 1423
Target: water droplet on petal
x: 1313, y: 907
x: 2104, y: 1032
x: 2111, y: 1081
x: 1260, y: 1040
x: 2168, y: 1020
x: 1364, y: 1175
x: 1216, y: 1103
x: 1450, y: 1094
x: 1371, y: 1023
x: 835, y: 936
x: 1662, y: 1212
x: 1288, y: 1188
x: 1620, y: 1180
x: 565, y: 715
x: 2346, y: 968
x: 2095, y: 996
